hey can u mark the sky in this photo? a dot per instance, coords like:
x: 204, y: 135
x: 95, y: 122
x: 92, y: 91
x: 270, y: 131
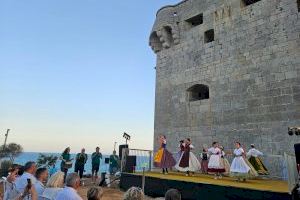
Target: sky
x: 77, y: 73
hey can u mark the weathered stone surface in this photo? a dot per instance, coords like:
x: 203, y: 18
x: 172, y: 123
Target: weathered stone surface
x: 252, y: 69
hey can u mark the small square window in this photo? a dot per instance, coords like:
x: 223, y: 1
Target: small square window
x: 209, y: 36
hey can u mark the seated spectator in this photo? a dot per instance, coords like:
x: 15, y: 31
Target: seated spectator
x: 29, y: 172
x: 41, y: 176
x: 94, y: 193
x: 70, y: 191
x: 172, y: 194
x: 54, y: 185
x: 134, y: 193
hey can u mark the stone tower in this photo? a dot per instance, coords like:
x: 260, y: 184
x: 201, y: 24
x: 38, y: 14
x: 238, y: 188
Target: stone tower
x: 229, y: 70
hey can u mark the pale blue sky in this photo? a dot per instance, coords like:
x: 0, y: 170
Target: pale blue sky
x: 77, y: 73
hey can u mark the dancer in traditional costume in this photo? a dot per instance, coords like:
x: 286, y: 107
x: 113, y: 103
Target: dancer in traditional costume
x: 226, y: 163
x: 181, y: 150
x: 188, y: 161
x: 239, y: 168
x: 215, y: 164
x: 256, y: 161
x: 204, y: 160
x: 163, y: 158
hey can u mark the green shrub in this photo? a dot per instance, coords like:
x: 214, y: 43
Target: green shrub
x: 4, y: 167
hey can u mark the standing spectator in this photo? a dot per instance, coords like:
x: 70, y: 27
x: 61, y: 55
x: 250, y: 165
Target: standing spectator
x: 96, y: 160
x: 54, y: 185
x: 41, y: 176
x: 9, y: 185
x: 70, y: 191
x: 52, y: 169
x: 134, y: 193
x: 29, y: 172
x: 65, y: 161
x: 172, y: 194
x: 94, y: 193
x: 114, y: 163
x: 81, y: 159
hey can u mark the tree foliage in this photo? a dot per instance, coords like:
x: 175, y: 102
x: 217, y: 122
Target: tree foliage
x: 46, y: 160
x: 10, y: 151
x: 4, y: 167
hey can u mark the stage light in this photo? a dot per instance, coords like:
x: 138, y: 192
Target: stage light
x: 126, y: 136
x: 290, y: 131
x: 297, y: 131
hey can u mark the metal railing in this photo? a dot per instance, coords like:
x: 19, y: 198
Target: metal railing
x: 136, y: 160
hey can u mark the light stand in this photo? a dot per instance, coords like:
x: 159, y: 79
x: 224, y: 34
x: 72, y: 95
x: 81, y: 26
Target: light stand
x: 126, y: 136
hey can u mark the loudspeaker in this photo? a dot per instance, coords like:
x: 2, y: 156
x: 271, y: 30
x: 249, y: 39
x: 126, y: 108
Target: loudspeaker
x: 130, y: 164
x: 297, y: 152
x: 121, y: 147
x: 106, y: 160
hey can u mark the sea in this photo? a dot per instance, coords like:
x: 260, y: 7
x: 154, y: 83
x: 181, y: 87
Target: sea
x: 33, y: 156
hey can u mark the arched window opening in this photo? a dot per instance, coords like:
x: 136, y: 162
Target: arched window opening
x: 167, y: 31
x: 155, y: 43
x: 198, y: 92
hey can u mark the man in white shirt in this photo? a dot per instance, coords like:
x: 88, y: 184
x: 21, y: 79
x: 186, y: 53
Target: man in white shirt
x: 70, y: 191
x: 41, y: 176
x: 29, y: 171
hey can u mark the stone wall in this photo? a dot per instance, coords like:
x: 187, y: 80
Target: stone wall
x: 252, y: 69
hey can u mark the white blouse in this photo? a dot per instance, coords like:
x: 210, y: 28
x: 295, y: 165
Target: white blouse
x: 254, y: 152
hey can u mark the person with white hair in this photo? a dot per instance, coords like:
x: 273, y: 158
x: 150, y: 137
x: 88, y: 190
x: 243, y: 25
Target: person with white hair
x: 70, y: 190
x: 54, y: 185
x: 134, y: 193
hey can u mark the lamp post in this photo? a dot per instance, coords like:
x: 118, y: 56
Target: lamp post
x: 6, y: 135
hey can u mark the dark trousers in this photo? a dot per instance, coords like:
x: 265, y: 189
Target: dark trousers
x: 65, y: 171
x: 80, y: 169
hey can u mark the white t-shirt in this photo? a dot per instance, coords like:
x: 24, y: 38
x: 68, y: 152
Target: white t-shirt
x: 68, y: 193
x: 21, y: 182
x: 39, y: 187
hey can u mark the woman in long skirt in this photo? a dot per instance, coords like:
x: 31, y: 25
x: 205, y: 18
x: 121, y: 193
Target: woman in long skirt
x: 215, y: 164
x: 163, y: 158
x: 256, y: 161
x: 239, y: 168
x: 204, y: 160
x: 188, y: 161
x: 181, y: 150
x: 225, y: 162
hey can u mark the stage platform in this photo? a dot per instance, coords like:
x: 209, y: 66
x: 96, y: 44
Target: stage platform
x: 206, y: 188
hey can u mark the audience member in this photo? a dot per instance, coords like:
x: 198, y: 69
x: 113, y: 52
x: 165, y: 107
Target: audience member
x: 11, y: 192
x: 94, y: 193
x: 9, y: 185
x: 70, y: 191
x: 41, y: 176
x: 134, y: 193
x: 54, y: 185
x: 172, y: 194
x: 27, y: 179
